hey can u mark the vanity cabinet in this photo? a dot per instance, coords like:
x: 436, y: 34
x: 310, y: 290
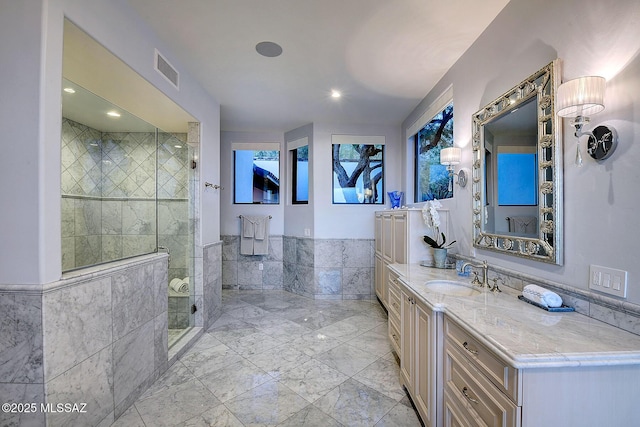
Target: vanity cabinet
x: 398, y: 240
x: 478, y: 384
x: 419, y: 337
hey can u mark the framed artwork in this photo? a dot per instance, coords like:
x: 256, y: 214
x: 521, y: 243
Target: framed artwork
x: 358, y: 169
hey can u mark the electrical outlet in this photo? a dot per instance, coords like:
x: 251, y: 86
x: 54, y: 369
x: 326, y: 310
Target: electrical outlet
x: 307, y: 232
x: 608, y: 280
x: 261, y: 266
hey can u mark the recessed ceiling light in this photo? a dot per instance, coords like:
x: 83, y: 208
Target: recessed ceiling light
x: 69, y: 90
x: 335, y: 93
x: 269, y: 49
x: 113, y: 114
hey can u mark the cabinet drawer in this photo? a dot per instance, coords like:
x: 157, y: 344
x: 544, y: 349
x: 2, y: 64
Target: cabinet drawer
x: 502, y: 375
x: 476, y: 393
x: 394, y: 299
x: 455, y: 415
x: 394, y: 335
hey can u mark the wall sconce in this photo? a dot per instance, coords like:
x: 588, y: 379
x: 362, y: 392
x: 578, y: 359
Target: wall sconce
x: 450, y: 157
x: 579, y: 98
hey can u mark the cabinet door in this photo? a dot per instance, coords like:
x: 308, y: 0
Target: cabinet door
x: 400, y: 238
x: 379, y: 276
x: 378, y: 234
x: 406, y: 339
x: 387, y: 238
x: 424, y: 372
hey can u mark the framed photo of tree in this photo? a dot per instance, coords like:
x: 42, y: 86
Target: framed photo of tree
x: 358, y: 169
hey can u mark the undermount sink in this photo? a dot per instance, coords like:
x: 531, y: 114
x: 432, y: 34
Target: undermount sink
x: 451, y: 287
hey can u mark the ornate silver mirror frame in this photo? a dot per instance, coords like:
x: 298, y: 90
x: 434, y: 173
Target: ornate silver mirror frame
x: 546, y: 246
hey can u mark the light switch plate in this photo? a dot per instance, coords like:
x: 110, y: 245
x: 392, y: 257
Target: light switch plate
x: 608, y: 280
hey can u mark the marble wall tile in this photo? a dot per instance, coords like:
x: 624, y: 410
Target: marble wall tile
x: 289, y: 249
x: 357, y: 281
x: 173, y: 217
x: 161, y: 343
x: 87, y: 217
x: 136, y: 245
x: 272, y: 277
x: 22, y: 393
x: 139, y: 217
x: 67, y: 206
x: 132, y: 296
x: 328, y: 281
x: 229, y: 273
x: 358, y: 253
x: 133, y: 362
x: 88, y: 250
x: 249, y: 275
x: 275, y: 249
x: 328, y: 253
x: 89, y: 382
x: 68, y: 253
x: 111, y: 247
x: 77, y: 324
x: 111, y: 217
x: 21, y: 346
x: 230, y: 248
x: 305, y: 252
x: 160, y: 287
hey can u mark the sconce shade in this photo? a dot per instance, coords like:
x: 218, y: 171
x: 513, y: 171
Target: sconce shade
x: 583, y: 96
x: 450, y: 156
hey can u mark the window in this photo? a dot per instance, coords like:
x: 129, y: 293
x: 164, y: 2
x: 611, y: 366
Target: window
x: 432, y: 178
x: 256, y: 176
x: 300, y: 175
x: 358, y: 169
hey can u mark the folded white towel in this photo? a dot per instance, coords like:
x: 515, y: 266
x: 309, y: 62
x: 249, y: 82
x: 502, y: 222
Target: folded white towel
x: 542, y: 296
x: 179, y: 286
x: 186, y: 280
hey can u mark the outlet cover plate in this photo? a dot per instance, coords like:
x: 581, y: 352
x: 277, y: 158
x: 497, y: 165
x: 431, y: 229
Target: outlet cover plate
x: 608, y: 280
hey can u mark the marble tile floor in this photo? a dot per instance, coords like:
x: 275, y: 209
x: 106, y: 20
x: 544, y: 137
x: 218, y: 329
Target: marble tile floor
x: 277, y: 359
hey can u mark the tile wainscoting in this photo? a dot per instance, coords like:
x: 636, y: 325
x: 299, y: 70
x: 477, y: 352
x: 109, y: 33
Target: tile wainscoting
x: 316, y: 268
x: 97, y: 336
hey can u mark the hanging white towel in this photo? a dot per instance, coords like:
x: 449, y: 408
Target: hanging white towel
x: 254, y: 239
x: 523, y: 224
x: 261, y: 238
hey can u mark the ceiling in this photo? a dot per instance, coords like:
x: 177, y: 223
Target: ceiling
x: 383, y: 55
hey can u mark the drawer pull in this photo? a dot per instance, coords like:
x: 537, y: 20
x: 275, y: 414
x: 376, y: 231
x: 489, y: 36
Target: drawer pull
x: 469, y: 349
x: 465, y: 392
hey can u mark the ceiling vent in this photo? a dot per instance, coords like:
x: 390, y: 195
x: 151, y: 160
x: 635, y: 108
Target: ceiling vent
x: 166, y: 70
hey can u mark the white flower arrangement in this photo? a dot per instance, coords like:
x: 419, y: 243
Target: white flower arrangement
x: 431, y: 219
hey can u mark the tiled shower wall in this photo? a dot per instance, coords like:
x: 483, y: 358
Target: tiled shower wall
x: 109, y: 196
x: 316, y: 268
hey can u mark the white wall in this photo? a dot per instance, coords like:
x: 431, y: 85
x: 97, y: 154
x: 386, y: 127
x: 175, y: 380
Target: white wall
x: 591, y: 37
x: 230, y: 224
x: 300, y: 217
x: 344, y: 221
x: 30, y: 246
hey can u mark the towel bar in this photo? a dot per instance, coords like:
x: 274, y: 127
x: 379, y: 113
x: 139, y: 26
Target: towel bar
x: 240, y: 216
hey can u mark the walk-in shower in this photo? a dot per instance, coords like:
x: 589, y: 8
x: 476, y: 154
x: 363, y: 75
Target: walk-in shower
x: 127, y: 190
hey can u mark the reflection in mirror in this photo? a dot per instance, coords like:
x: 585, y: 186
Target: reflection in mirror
x: 517, y: 174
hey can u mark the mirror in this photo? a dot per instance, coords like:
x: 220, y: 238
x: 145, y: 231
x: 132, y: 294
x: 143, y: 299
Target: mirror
x: 517, y: 171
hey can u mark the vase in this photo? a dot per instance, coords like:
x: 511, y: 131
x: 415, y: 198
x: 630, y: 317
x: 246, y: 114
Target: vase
x: 439, y: 257
x: 396, y: 198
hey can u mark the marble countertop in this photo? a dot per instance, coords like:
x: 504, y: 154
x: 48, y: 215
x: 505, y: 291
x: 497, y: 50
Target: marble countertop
x: 525, y: 336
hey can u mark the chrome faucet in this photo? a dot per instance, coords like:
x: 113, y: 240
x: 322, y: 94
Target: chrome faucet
x: 485, y: 276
